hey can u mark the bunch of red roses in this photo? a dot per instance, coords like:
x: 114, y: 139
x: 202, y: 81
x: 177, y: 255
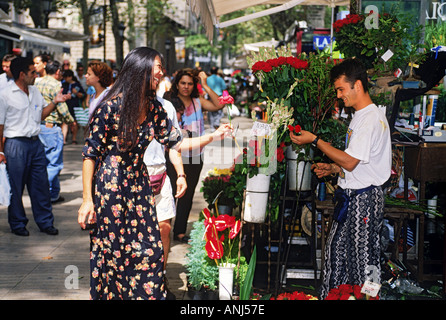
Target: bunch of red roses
x: 349, y: 19
x: 268, y: 65
x: 348, y: 292
x: 296, y: 129
x: 214, y: 233
x: 296, y: 295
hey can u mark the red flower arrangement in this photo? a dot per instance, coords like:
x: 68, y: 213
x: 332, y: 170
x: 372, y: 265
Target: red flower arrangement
x: 214, y: 240
x: 268, y: 65
x: 296, y: 295
x: 349, y: 19
x: 348, y: 292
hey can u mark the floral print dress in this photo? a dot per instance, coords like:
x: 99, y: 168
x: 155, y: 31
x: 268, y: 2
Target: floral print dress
x: 126, y: 258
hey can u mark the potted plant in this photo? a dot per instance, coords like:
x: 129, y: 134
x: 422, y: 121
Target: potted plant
x: 217, y: 190
x: 259, y: 168
x: 201, y: 272
x: 221, y: 246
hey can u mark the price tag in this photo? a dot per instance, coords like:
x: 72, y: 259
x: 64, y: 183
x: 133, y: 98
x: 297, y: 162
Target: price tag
x: 387, y: 55
x: 260, y: 129
x: 370, y: 288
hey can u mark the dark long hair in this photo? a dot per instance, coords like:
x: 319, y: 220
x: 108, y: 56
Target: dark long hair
x: 134, y: 85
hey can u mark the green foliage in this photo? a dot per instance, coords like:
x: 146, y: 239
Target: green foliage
x: 435, y: 34
x: 396, y: 32
x: 201, y: 271
x: 246, y: 288
x: 201, y: 44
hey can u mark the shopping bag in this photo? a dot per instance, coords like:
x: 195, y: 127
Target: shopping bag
x: 5, y: 188
x: 81, y: 115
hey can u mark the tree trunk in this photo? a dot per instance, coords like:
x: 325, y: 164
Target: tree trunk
x: 85, y: 13
x: 119, y: 40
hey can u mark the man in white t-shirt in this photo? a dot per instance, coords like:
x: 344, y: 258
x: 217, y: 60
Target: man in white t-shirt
x: 353, y: 248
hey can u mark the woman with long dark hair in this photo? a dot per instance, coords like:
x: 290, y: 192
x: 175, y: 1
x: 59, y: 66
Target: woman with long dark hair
x: 126, y: 250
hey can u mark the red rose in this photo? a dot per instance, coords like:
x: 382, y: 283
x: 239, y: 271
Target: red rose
x: 357, y: 292
x: 290, y: 127
x: 297, y: 128
x: 281, y: 60
x: 273, y: 62
x: 279, y: 154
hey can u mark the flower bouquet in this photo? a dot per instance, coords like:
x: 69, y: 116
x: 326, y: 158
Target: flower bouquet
x: 348, y: 292
x: 217, y: 188
x: 296, y: 295
x: 220, y: 234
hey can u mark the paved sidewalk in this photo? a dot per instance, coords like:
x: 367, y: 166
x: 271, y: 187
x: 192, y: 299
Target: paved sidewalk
x: 43, y: 267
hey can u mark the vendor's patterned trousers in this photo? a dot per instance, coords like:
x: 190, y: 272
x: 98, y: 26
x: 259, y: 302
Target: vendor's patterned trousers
x: 352, y: 252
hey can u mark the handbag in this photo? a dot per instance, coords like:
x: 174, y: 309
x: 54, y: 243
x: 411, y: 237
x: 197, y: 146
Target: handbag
x: 5, y: 187
x: 157, y: 182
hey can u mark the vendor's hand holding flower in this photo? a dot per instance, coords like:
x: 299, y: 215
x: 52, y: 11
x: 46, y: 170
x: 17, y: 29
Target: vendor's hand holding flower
x: 322, y: 169
x: 305, y: 137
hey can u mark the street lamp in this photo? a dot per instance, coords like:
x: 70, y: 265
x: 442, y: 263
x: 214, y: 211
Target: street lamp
x: 121, y: 29
x: 47, y: 6
x: 167, y: 44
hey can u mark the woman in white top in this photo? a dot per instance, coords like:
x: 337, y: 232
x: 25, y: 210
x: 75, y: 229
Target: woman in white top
x: 100, y: 77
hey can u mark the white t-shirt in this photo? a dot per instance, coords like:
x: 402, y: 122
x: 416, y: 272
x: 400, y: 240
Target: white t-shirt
x: 368, y: 140
x: 154, y: 154
x: 21, y: 114
x: 94, y: 101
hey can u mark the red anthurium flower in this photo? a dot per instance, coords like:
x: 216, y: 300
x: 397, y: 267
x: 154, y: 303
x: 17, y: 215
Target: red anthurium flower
x: 215, y: 241
x: 214, y: 249
x: 224, y: 221
x: 235, y: 229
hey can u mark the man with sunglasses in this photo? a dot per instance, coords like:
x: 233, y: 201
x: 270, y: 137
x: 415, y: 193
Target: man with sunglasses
x: 22, y: 108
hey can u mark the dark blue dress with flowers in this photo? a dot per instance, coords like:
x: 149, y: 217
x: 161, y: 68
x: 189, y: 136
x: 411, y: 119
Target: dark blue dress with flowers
x: 126, y: 256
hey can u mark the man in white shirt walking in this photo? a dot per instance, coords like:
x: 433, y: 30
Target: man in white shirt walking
x: 22, y: 108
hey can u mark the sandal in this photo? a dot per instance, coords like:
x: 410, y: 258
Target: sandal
x: 183, y: 239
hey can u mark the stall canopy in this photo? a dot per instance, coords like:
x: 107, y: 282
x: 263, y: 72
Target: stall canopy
x: 62, y: 34
x: 210, y: 11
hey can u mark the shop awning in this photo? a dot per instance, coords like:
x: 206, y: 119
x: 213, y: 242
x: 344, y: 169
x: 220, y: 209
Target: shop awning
x: 210, y: 11
x: 32, y: 40
x: 62, y: 34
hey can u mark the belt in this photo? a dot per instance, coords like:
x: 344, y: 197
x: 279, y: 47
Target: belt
x: 28, y: 138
